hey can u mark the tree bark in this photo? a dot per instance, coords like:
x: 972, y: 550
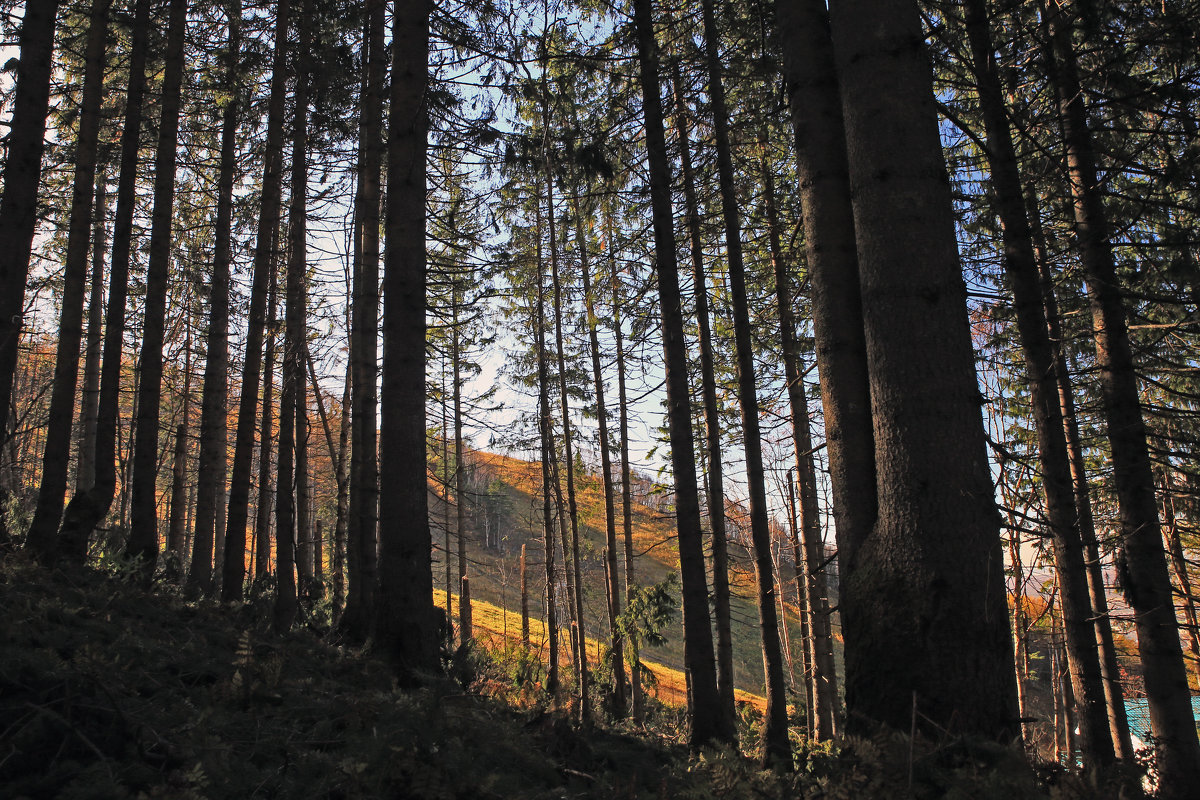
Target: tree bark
x: 87, y: 509
x: 405, y: 618
x: 262, y: 521
x: 265, y: 254
x: 1146, y: 582
x: 43, y: 531
x: 926, y: 593
x: 143, y: 501
x: 712, y: 420
x: 362, y: 522
x: 706, y: 723
x: 214, y: 409
x: 22, y: 179
x: 1020, y: 264
x: 465, y: 631
x: 85, y: 467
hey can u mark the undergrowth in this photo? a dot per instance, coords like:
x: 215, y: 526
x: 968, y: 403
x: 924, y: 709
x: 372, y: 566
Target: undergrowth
x: 108, y: 691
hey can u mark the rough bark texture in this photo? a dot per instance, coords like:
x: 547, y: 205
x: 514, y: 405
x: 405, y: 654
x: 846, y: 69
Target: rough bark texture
x: 89, y: 413
x: 1020, y: 264
x: 262, y: 520
x: 265, y: 248
x: 214, y: 411
x: 87, y: 509
x: 703, y: 702
x: 43, y: 531
x: 1147, y: 584
x: 926, y: 593
x: 143, y: 501
x: 405, y: 622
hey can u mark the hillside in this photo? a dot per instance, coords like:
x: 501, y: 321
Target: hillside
x: 504, y: 512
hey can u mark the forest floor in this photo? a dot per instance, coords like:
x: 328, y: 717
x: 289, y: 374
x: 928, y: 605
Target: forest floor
x: 111, y: 691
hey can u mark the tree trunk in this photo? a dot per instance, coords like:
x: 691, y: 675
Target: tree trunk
x: 405, y: 620
x: 22, y: 177
x: 1179, y: 564
x: 177, y: 517
x: 262, y: 521
x: 85, y: 467
x: 832, y: 257
x: 706, y: 722
x: 87, y: 509
x: 464, y: 586
x: 362, y: 522
x: 43, y: 532
x: 610, y: 522
x: 143, y: 501
x: 926, y: 592
x: 1146, y: 582
x: 265, y: 254
x: 776, y: 747
x: 1021, y: 265
x: 214, y: 410
x: 635, y: 671
x: 712, y: 421
x: 801, y: 565
x: 814, y: 591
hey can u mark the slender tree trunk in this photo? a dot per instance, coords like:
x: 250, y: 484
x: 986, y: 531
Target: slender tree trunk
x: 926, y: 594
x: 814, y: 589
x: 1118, y: 723
x: 635, y: 672
x: 43, y: 532
x: 465, y: 631
x: 262, y: 522
x: 87, y: 509
x: 214, y: 410
x: 610, y: 522
x: 343, y: 501
x: 22, y: 178
x: 305, y: 544
x: 177, y: 519
x: 1179, y: 565
x: 290, y: 498
x: 362, y: 523
x: 143, y: 502
x: 524, y: 602
x: 801, y: 564
x: 776, y: 747
x: 265, y: 255
x: 1021, y: 265
x: 85, y: 467
x: 712, y: 420
x: 405, y: 618
x: 575, y: 585
x: 1146, y: 582
x: 706, y: 721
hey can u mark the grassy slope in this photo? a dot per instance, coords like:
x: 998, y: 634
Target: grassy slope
x: 495, y: 575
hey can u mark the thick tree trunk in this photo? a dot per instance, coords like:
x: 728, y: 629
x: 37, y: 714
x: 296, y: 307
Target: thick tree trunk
x: 43, y: 532
x: 832, y: 258
x: 22, y: 178
x: 87, y: 509
x: 405, y: 620
x: 1021, y: 265
x: 926, y: 593
x: 712, y: 419
x: 819, y: 647
x: 265, y: 254
x: 214, y: 410
x: 143, y: 501
x: 362, y: 521
x: 1146, y: 582
x: 706, y: 722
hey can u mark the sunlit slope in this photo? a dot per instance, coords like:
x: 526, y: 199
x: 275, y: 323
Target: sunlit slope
x: 504, y: 511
